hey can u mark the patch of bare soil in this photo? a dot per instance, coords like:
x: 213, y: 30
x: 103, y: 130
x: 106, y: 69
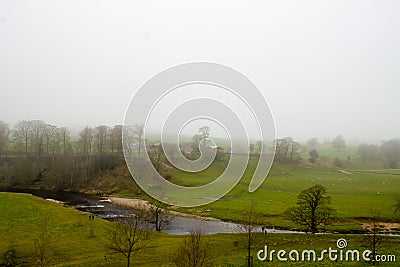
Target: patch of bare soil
x: 387, y: 228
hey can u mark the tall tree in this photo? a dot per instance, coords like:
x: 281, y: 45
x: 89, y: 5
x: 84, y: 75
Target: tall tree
x: 4, y: 133
x: 374, y: 236
x: 313, y: 155
x: 368, y: 153
x: 249, y: 227
x: 338, y: 143
x: 49, y: 133
x: 101, y: 137
x: 37, y: 135
x: 312, y: 143
x: 287, y: 150
x: 116, y: 139
x: 139, y: 132
x: 85, y: 141
x: 313, y: 208
x: 391, y: 153
x: 21, y: 134
x: 65, y: 138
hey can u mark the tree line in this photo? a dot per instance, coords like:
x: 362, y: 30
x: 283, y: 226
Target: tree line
x: 35, y: 152
x: 38, y: 138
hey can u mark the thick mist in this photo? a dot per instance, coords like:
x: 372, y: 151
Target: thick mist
x: 326, y: 68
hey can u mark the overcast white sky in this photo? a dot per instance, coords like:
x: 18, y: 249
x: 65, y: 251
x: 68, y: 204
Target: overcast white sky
x: 325, y: 67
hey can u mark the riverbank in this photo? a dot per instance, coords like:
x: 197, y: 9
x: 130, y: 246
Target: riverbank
x: 136, y: 203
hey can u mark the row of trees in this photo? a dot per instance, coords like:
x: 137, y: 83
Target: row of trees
x: 39, y: 138
x: 34, y: 152
x: 388, y: 152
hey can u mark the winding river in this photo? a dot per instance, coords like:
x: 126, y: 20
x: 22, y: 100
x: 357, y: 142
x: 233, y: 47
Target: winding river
x: 103, y: 208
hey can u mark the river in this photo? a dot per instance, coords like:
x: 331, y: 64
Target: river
x: 103, y: 208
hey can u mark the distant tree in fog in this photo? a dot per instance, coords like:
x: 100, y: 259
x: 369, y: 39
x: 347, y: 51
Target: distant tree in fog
x: 4, y: 133
x: 312, y: 143
x: 116, y: 139
x: 85, y: 141
x: 368, y: 153
x: 338, y: 143
x: 313, y: 155
x: 391, y: 153
x: 21, y: 134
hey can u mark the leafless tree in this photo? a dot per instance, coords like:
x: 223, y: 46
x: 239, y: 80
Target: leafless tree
x: 249, y: 227
x: 139, y: 132
x: 192, y: 252
x: 65, y: 138
x: 159, y: 214
x: 312, y: 209
x: 42, y: 243
x: 37, y: 135
x: 116, y: 138
x: 156, y: 154
x: 101, y: 137
x: 85, y: 141
x: 374, y: 237
x: 4, y: 133
x: 338, y: 143
x: 49, y: 133
x: 128, y: 238
x: 21, y: 134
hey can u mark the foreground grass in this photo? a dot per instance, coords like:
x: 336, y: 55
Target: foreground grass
x: 72, y: 244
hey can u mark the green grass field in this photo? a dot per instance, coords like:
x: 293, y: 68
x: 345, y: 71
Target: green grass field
x: 353, y: 195
x: 71, y: 244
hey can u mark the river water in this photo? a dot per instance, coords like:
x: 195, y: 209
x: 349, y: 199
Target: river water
x: 103, y: 208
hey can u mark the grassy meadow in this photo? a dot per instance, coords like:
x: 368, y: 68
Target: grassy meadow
x: 71, y: 243
x: 353, y: 194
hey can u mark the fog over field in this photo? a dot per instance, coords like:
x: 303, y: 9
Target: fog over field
x: 325, y: 67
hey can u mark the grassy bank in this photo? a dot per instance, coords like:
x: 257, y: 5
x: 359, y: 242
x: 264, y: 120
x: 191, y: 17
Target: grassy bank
x: 353, y: 195
x: 72, y: 244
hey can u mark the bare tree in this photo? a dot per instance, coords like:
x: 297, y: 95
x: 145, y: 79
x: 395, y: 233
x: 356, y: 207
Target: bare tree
x: 192, y: 252
x: 287, y: 150
x: 42, y: 243
x: 101, y: 136
x: 49, y: 132
x: 116, y: 138
x: 312, y: 143
x: 312, y: 209
x: 37, y: 135
x: 157, y: 155
x: 249, y: 227
x: 21, y: 134
x: 4, y: 133
x: 338, y: 143
x: 85, y: 141
x: 65, y: 138
x: 159, y: 214
x: 139, y: 132
x: 374, y: 237
x: 128, y: 237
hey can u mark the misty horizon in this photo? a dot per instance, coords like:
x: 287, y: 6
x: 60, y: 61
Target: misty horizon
x: 324, y: 68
